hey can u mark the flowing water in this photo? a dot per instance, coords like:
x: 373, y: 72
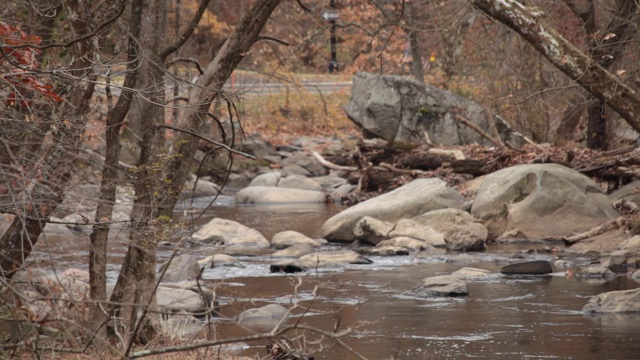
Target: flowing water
x: 533, y: 317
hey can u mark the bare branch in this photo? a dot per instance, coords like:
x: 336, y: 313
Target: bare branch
x: 207, y: 140
x: 303, y: 6
x: 187, y: 60
x: 187, y: 32
x: 269, y: 38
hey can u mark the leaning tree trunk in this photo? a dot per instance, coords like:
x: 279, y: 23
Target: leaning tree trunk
x: 581, y: 68
x: 157, y: 198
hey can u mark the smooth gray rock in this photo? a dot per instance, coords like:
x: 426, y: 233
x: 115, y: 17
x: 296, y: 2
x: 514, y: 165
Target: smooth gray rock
x: 461, y: 231
x: 410, y: 228
x: 470, y: 272
x: 264, y: 318
x: 371, y: 230
x: 538, y: 267
x: 405, y: 242
x: 288, y: 238
x: 626, y: 301
x: 230, y: 233
x: 173, y: 299
x: 182, y: 267
x: 540, y: 201
x: 415, y: 198
x: 199, y: 188
x: 294, y: 251
x: 596, y: 271
x: 443, y: 285
x: 277, y: 195
x: 284, y: 180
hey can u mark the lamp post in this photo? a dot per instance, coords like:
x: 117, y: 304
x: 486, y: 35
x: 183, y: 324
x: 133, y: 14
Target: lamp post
x: 331, y: 16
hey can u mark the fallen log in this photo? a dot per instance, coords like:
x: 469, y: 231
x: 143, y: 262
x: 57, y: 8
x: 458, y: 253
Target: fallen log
x: 598, y: 230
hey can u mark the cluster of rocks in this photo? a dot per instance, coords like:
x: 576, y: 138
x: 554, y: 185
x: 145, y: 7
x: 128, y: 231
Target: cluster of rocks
x: 526, y: 202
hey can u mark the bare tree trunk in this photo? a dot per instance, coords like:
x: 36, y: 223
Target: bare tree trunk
x: 607, y: 51
x: 158, y: 191
x: 51, y: 171
x: 417, y: 69
x: 566, y: 57
x: 135, y: 284
x: 100, y: 235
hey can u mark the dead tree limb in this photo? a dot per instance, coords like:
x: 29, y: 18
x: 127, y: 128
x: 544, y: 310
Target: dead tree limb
x: 598, y: 230
x: 482, y: 133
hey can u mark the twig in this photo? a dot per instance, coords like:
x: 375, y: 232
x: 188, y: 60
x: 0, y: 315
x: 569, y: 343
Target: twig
x: 207, y: 140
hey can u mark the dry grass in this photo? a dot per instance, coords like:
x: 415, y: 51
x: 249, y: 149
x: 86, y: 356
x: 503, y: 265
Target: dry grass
x: 279, y: 117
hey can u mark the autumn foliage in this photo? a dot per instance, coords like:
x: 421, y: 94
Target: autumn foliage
x: 19, y: 67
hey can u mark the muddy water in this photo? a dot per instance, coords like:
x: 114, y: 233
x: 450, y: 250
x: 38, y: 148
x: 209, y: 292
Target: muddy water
x: 502, y: 318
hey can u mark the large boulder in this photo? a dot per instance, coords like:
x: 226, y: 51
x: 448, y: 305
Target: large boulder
x: 625, y: 301
x: 230, y: 233
x: 278, y: 195
x: 415, y: 198
x: 400, y: 109
x: 540, y: 201
x: 461, y: 231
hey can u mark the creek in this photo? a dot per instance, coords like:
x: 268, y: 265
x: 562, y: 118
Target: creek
x: 504, y: 317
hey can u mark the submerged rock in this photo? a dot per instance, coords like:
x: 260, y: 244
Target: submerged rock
x: 538, y: 267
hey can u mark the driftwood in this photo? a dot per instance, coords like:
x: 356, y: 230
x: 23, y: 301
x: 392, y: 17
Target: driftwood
x: 330, y: 165
x: 598, y: 230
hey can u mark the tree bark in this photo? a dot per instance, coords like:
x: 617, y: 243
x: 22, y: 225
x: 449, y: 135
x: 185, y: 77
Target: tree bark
x: 104, y: 211
x: 158, y: 192
x: 50, y: 165
x: 583, y: 69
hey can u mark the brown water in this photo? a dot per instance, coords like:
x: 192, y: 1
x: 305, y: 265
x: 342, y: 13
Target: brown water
x: 502, y: 318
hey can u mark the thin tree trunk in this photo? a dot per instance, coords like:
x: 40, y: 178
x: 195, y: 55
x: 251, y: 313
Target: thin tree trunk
x: 46, y: 191
x: 135, y: 284
x: 100, y: 235
x: 566, y: 57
